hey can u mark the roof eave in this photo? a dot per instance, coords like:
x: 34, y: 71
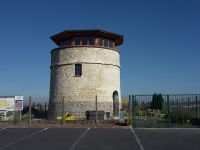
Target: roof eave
x: 116, y: 37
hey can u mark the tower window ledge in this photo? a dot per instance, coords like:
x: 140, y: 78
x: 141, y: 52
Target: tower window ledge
x: 77, y: 75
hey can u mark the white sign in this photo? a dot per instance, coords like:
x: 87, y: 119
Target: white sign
x: 19, y: 98
x: 7, y: 103
x: 19, y: 102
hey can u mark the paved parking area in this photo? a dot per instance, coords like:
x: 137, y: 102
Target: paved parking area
x: 169, y: 139
x: 98, y: 139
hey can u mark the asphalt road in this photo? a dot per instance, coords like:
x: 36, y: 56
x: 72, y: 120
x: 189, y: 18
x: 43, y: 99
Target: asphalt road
x: 107, y: 139
x: 99, y: 139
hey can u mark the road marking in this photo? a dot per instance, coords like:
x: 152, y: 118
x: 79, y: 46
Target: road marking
x: 168, y: 128
x: 78, y: 140
x: 23, y: 138
x: 2, y: 129
x: 137, y: 139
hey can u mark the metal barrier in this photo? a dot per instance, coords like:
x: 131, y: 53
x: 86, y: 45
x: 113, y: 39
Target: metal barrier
x: 158, y: 111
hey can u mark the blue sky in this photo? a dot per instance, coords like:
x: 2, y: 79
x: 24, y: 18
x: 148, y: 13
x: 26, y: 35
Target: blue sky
x: 160, y: 53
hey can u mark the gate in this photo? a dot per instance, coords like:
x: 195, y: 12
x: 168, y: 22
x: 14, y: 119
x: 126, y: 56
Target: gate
x: 165, y: 111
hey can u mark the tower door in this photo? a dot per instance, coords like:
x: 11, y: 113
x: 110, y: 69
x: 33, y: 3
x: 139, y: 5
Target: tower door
x: 116, y: 104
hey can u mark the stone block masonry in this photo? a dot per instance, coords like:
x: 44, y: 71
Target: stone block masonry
x: 85, y: 65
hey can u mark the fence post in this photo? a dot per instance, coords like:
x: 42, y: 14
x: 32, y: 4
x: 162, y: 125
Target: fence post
x: 45, y: 106
x: 33, y: 105
x: 188, y: 103
x: 133, y: 99
x: 130, y: 107
x: 168, y: 110
x: 20, y: 115
x: 30, y: 103
x: 13, y: 115
x: 96, y: 115
x: 197, y: 113
x: 63, y: 109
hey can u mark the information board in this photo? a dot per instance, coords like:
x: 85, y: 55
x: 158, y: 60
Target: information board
x: 19, y: 102
x: 7, y: 103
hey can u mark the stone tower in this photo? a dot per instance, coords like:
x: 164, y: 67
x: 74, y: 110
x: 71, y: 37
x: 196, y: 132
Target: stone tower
x: 86, y: 64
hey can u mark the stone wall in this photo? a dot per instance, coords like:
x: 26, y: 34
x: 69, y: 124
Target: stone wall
x: 100, y: 76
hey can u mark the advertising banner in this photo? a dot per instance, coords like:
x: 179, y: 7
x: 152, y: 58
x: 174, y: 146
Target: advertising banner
x: 7, y: 103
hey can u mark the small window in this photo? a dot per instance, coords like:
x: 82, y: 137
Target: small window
x: 91, y: 40
x: 69, y: 43
x: 100, y: 40
x: 63, y: 43
x: 77, y: 41
x: 111, y: 44
x: 84, y: 40
x: 78, y: 69
x: 105, y: 43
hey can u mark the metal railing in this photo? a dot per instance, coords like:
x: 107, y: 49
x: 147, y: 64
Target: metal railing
x: 173, y: 110
x: 36, y: 110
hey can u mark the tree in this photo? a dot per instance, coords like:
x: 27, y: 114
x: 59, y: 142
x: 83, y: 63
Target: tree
x: 157, y: 100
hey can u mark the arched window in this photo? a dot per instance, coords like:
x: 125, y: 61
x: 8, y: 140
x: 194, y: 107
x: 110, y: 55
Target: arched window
x: 116, y: 104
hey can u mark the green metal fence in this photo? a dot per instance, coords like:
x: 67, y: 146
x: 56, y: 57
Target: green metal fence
x: 158, y: 111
